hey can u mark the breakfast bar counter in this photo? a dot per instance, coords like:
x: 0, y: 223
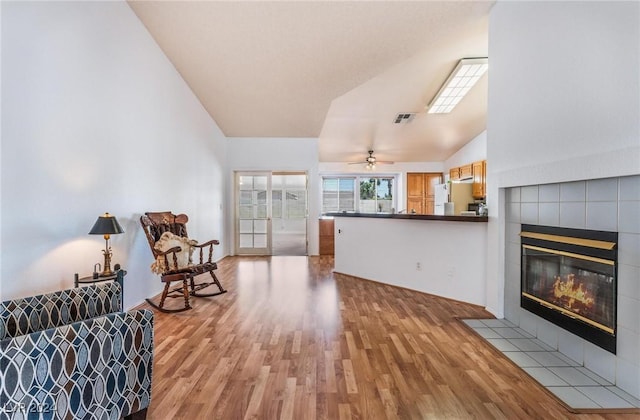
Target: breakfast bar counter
x: 408, y: 216
x: 440, y: 255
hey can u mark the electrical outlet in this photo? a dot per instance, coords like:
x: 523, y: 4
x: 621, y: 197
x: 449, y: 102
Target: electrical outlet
x: 418, y: 266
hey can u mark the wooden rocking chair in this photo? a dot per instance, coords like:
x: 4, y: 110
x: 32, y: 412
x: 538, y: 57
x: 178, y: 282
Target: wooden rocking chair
x: 154, y: 225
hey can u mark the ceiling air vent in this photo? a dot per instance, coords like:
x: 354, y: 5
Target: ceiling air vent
x: 404, y: 118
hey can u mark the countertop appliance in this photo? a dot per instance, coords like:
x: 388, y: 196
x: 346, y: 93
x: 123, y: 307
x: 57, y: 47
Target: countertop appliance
x: 459, y: 194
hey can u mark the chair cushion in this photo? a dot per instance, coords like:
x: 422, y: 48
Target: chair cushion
x: 167, y: 241
x: 51, y: 310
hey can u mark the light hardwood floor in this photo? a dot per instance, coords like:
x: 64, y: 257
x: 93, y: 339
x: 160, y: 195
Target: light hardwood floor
x: 292, y: 340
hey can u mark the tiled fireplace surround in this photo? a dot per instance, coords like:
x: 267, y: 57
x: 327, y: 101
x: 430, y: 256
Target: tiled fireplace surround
x: 611, y: 204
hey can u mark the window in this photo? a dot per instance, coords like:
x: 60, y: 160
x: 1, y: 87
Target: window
x: 376, y: 195
x: 373, y: 195
x: 338, y: 194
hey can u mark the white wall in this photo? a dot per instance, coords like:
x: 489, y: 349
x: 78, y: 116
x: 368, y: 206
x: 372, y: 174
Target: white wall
x: 566, y: 109
x: 95, y: 118
x: 451, y: 255
x: 275, y: 154
x: 471, y: 152
x: 564, y: 105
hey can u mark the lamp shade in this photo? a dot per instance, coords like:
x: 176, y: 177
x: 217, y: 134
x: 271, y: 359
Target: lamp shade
x: 106, y: 225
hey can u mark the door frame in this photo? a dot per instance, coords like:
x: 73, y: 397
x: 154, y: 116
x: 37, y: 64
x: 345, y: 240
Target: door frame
x: 236, y: 187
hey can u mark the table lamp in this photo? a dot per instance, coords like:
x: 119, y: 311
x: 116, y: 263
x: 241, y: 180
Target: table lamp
x: 106, y: 225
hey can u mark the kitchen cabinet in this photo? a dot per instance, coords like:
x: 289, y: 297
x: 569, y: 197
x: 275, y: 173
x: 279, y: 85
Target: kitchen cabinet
x: 479, y: 189
x: 415, y: 205
x: 421, y: 191
x: 327, y: 238
x: 466, y: 171
x: 429, y: 206
x: 454, y: 174
x: 415, y: 185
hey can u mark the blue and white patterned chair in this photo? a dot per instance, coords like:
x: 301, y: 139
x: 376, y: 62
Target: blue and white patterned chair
x: 73, y: 354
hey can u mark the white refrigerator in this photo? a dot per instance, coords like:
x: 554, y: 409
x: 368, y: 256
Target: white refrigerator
x: 458, y: 194
x: 441, y: 197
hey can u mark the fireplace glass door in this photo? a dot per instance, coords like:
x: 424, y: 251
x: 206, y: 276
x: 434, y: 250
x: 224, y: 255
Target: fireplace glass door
x: 569, y: 279
x: 579, y: 286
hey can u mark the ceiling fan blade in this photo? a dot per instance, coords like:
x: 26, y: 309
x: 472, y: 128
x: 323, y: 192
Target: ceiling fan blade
x: 371, y: 160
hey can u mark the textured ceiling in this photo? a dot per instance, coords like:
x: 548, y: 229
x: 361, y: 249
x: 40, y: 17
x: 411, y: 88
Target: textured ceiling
x: 336, y: 70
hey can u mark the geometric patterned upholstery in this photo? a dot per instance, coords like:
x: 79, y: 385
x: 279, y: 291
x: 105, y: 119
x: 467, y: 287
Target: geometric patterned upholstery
x: 38, y: 313
x: 96, y: 368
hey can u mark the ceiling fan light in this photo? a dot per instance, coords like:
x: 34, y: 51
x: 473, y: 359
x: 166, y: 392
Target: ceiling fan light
x: 370, y: 162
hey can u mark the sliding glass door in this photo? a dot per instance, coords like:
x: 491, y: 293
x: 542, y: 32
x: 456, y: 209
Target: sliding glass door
x: 289, y: 213
x: 271, y: 213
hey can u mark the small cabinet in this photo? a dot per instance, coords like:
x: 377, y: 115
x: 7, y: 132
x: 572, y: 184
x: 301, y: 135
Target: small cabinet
x: 466, y: 171
x: 454, y: 174
x: 429, y: 206
x: 415, y: 185
x: 479, y: 188
x: 327, y: 239
x: 415, y: 205
x: 421, y: 191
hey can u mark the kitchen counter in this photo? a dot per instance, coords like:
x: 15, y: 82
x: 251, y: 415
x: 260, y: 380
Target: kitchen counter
x: 440, y: 255
x: 408, y: 216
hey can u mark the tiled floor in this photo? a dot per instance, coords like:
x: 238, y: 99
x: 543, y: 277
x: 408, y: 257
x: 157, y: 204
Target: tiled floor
x: 575, y: 385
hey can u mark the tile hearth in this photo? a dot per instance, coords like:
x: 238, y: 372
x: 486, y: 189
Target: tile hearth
x: 572, y: 383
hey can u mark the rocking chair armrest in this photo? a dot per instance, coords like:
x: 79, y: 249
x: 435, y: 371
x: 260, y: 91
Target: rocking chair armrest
x: 205, y: 244
x: 202, y: 247
x: 173, y: 264
x: 169, y: 251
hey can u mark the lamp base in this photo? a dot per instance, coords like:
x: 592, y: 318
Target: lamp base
x: 107, y: 261
x: 107, y: 273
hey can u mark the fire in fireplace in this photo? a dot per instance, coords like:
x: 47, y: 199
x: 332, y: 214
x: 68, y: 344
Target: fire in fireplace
x: 569, y: 278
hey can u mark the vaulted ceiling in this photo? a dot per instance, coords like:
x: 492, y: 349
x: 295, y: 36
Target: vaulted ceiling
x: 337, y: 70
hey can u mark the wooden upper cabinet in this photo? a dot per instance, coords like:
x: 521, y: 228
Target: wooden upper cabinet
x: 466, y: 171
x: 421, y: 191
x: 479, y: 188
x: 475, y: 170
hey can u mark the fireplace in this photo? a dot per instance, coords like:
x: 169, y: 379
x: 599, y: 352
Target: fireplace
x: 569, y: 278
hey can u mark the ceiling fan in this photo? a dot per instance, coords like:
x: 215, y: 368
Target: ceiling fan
x: 371, y: 161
